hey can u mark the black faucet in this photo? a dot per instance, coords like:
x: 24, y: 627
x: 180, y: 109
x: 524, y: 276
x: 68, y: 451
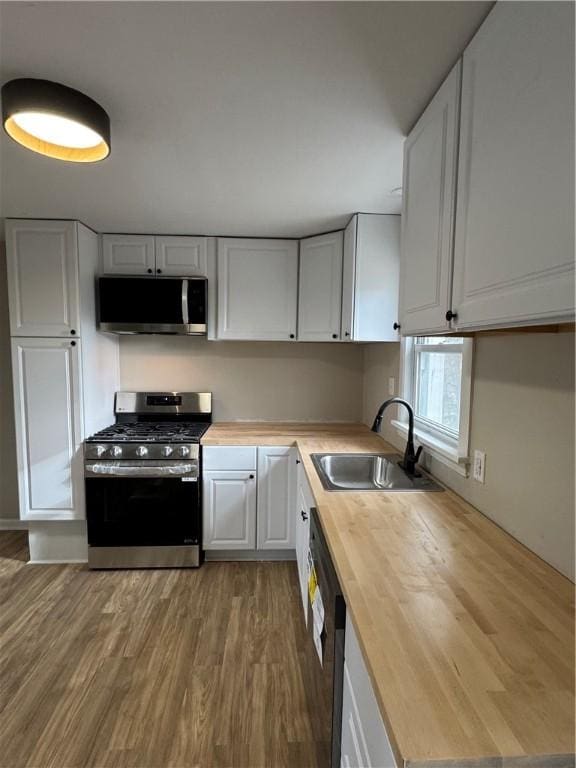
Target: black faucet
x: 411, y: 457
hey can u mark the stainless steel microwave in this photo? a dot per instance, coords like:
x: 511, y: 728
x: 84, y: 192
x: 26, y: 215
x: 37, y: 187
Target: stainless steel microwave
x: 174, y: 305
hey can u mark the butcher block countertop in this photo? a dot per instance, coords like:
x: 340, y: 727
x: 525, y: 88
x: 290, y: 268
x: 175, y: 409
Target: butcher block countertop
x: 467, y: 636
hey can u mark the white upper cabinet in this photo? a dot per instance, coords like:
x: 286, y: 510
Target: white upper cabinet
x: 370, y: 278
x: 155, y: 255
x: 514, y: 242
x: 320, y: 288
x: 128, y: 254
x: 43, y: 287
x: 430, y: 162
x: 182, y: 256
x: 257, y: 289
x: 276, y: 497
x: 48, y: 421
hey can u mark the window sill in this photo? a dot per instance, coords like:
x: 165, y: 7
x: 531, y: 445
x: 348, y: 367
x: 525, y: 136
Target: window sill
x: 440, y: 450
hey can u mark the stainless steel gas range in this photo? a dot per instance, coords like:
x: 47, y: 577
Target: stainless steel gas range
x: 142, y: 477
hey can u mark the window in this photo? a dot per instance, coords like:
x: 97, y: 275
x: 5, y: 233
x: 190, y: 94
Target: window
x: 436, y: 380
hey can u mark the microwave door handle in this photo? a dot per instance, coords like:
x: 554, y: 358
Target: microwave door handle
x: 185, y: 319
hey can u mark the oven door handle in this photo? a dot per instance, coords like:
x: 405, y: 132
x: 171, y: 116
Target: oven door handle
x: 118, y: 469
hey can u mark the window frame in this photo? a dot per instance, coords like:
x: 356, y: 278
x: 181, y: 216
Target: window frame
x: 448, y: 447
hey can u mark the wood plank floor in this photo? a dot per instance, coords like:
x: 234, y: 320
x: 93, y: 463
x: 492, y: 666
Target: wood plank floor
x: 154, y: 669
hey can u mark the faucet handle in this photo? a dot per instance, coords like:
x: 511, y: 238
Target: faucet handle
x: 417, y: 454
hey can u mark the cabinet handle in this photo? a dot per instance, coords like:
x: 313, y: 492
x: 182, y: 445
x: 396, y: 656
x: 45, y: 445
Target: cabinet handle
x: 72, y: 343
x: 159, y: 271
x: 251, y: 477
x: 396, y: 326
x: 347, y: 333
x: 304, y: 515
x: 298, y: 461
x: 292, y: 335
x: 73, y: 332
x: 334, y: 335
x: 451, y: 315
x: 149, y: 271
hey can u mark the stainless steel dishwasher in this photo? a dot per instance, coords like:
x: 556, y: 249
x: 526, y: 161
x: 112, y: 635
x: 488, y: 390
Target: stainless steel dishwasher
x: 329, y: 670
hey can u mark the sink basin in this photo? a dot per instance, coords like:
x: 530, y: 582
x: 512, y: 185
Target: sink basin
x: 368, y: 472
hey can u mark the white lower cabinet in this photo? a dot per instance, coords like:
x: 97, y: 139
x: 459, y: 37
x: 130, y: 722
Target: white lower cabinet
x: 276, y: 492
x: 249, y: 497
x: 304, y: 502
x: 229, y: 509
x: 48, y: 428
x: 365, y: 743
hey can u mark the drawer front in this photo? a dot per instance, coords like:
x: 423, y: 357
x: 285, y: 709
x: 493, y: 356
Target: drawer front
x: 234, y: 457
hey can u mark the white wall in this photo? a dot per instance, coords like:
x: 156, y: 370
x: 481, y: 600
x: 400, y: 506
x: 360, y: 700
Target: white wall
x: 252, y: 381
x: 523, y: 417
x: 8, y: 472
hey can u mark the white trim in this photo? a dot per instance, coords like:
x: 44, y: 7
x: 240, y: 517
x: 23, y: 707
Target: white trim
x: 13, y: 524
x: 219, y: 555
x: 453, y: 452
x: 58, y: 562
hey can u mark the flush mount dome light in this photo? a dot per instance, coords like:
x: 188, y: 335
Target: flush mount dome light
x: 54, y: 120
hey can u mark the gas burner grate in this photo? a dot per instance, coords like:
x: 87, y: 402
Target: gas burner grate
x: 152, y: 432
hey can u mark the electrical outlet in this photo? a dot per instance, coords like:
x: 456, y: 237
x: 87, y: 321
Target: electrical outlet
x: 479, y: 466
x: 391, y: 385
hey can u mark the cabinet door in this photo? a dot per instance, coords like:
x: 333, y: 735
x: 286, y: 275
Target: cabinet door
x: 229, y: 503
x: 128, y: 255
x: 257, y: 289
x: 349, y: 279
x: 514, y: 243
x: 48, y: 409
x: 302, y: 546
x: 365, y: 742
x: 276, y: 498
x: 320, y: 288
x: 430, y: 153
x: 42, y: 262
x: 182, y: 256
x: 376, y: 269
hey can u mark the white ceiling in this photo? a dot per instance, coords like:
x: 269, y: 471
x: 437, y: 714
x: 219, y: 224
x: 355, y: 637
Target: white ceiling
x: 237, y: 118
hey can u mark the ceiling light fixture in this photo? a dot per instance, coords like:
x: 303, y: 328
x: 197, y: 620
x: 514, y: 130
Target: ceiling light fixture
x: 54, y: 120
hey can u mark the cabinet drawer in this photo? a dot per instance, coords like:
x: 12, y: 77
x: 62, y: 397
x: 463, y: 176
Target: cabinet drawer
x: 234, y: 457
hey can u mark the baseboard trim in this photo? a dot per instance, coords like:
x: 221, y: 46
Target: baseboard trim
x: 57, y: 562
x: 254, y: 555
x: 9, y: 524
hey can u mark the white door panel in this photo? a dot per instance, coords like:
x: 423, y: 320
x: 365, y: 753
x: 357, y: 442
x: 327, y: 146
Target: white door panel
x: 42, y: 263
x: 320, y: 288
x: 182, y: 256
x: 128, y: 254
x: 48, y: 428
x: 276, y: 498
x: 229, y: 510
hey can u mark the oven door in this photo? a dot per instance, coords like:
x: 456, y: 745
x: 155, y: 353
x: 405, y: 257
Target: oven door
x: 127, y: 507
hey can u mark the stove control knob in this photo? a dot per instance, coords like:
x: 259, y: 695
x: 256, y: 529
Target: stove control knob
x: 167, y: 450
x: 183, y: 451
x: 100, y: 450
x: 116, y: 451
x: 141, y: 451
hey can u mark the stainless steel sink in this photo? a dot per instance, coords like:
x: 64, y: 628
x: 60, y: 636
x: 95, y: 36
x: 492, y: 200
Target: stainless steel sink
x: 368, y: 472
